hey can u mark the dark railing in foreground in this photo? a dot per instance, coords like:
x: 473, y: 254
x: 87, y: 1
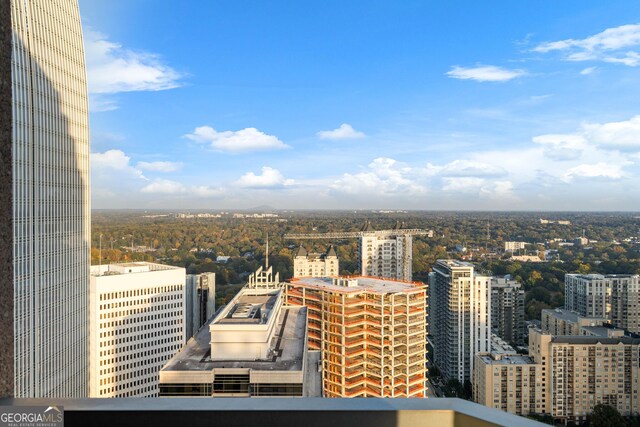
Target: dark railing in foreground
x: 281, y: 412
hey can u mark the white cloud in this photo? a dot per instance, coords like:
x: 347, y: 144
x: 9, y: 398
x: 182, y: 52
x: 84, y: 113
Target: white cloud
x: 270, y: 178
x: 114, y: 160
x: 624, y: 135
x: 345, y: 131
x: 465, y: 168
x: 597, y: 170
x: 561, y: 146
x: 485, y: 73
x: 384, y: 177
x: 248, y: 139
x: 462, y: 184
x: 159, y: 166
x: 588, y: 70
x: 605, y: 46
x: 112, y: 68
x: 164, y: 186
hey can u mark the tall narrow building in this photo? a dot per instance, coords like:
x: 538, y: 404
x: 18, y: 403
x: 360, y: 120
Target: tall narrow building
x: 51, y: 211
x: 507, y: 309
x: 459, y: 317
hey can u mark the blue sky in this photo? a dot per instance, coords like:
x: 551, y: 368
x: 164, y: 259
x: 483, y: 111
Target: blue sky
x: 466, y: 105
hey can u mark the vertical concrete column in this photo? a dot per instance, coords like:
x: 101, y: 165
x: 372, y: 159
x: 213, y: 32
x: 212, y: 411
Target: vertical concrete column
x: 6, y: 207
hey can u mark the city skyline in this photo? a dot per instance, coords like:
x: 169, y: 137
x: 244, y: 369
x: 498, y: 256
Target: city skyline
x: 411, y: 105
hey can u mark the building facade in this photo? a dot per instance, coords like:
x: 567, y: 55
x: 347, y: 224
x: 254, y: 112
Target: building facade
x: 51, y: 207
x: 507, y: 309
x: 200, y: 300
x: 563, y: 322
x: 388, y: 255
x: 307, y: 264
x: 459, y: 317
x: 371, y: 331
x: 255, y: 347
x: 514, y: 246
x: 563, y: 376
x: 613, y: 296
x: 138, y: 322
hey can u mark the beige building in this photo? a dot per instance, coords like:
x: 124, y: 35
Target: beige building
x: 137, y: 323
x: 307, y: 264
x: 514, y: 246
x: 558, y: 321
x: 564, y: 376
x: 254, y: 347
x: 385, y: 253
x: 372, y: 333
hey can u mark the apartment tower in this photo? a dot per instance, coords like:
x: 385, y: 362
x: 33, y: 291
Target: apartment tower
x: 507, y: 309
x: 459, y: 317
x: 51, y: 212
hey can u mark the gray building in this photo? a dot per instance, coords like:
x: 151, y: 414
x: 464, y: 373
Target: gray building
x: 507, y: 309
x: 615, y: 297
x: 459, y: 316
x: 200, y: 300
x: 51, y: 205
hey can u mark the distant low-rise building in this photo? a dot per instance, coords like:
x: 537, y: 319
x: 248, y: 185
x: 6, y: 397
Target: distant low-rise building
x: 514, y: 246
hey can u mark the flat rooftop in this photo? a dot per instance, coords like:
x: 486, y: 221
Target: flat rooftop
x: 362, y: 283
x: 516, y: 359
x: 249, y: 309
x: 288, y: 343
x: 569, y: 316
x: 572, y: 339
x: 129, y: 268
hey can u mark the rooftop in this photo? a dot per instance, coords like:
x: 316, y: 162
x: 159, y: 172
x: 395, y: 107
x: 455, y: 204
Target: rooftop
x: 512, y: 359
x: 359, y: 284
x: 574, y: 339
x: 249, y: 308
x: 569, y: 316
x: 129, y: 268
x: 288, y: 345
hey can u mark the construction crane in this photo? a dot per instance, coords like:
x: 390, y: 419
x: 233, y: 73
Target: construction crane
x: 367, y: 230
x: 375, y: 258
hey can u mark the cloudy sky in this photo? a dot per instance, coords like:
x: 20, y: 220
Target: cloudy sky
x: 466, y: 105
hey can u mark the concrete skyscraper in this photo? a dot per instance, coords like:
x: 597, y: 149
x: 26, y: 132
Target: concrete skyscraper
x: 51, y: 211
x: 459, y: 317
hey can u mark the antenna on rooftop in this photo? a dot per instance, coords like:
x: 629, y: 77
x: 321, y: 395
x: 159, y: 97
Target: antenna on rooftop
x: 266, y: 253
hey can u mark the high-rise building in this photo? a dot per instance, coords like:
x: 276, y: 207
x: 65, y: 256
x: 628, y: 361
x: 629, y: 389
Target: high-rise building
x: 459, y: 317
x: 507, y: 309
x: 612, y: 296
x: 564, y: 376
x: 200, y: 300
x: 307, y: 264
x: 51, y: 210
x: 386, y: 254
x: 137, y: 324
x: 372, y: 333
x: 254, y: 347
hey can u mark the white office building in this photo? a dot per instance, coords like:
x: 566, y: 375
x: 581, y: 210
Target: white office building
x: 137, y: 324
x: 387, y: 255
x: 459, y: 316
x: 51, y: 207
